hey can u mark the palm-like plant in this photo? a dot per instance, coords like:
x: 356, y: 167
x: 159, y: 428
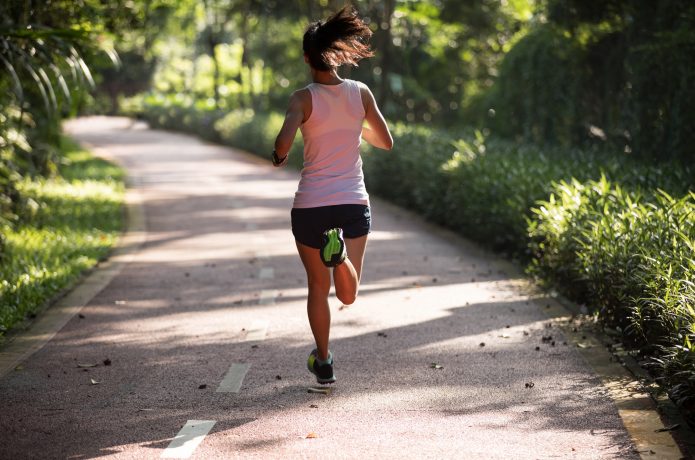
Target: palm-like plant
x: 42, y: 68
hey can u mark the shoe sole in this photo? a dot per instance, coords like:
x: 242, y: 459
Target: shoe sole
x: 332, y: 248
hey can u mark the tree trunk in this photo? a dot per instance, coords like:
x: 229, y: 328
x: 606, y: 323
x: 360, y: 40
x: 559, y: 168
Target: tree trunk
x: 385, y: 51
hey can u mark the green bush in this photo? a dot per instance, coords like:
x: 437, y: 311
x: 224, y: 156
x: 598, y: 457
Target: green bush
x: 256, y: 133
x: 601, y: 73
x: 630, y: 256
x: 410, y: 175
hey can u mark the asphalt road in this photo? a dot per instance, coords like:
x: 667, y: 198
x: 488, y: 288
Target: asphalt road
x: 206, y: 337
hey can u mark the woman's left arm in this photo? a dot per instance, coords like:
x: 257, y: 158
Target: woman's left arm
x: 293, y: 119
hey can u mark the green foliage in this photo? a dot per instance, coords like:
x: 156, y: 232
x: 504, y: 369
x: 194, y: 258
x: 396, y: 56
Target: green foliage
x: 537, y: 93
x: 43, y: 51
x: 631, y: 255
x: 71, y: 224
x: 256, y: 133
x: 613, y: 73
x: 410, y: 175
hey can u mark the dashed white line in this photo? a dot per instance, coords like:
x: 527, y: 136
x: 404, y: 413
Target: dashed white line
x: 268, y: 296
x: 188, y: 438
x: 233, y: 379
x: 266, y: 273
x: 257, y: 331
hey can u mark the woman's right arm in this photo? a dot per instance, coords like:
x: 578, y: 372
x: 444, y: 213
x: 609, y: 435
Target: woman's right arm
x: 377, y: 131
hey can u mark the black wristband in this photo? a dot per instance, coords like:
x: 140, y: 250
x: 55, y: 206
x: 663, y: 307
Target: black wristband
x: 277, y: 161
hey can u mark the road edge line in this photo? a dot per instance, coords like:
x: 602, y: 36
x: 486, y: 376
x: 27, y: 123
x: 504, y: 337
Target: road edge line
x: 68, y: 303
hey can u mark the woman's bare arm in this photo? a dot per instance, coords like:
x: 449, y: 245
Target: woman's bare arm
x: 377, y: 131
x: 294, y: 117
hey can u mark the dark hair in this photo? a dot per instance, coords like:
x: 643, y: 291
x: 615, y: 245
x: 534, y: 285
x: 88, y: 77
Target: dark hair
x: 341, y: 39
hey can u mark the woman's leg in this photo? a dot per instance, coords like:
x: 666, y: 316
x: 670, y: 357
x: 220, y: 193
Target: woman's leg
x: 347, y: 281
x: 346, y: 276
x: 319, y: 283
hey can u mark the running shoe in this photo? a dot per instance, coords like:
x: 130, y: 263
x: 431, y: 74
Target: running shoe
x: 333, y: 250
x: 323, y: 370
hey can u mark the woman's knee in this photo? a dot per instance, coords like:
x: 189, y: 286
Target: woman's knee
x: 319, y: 286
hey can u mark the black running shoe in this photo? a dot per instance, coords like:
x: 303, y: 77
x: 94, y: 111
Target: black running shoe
x: 333, y: 250
x: 323, y: 370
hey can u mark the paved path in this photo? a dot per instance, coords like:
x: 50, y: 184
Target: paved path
x: 207, y: 338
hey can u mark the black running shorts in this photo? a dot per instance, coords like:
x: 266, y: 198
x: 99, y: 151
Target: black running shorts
x: 308, y: 224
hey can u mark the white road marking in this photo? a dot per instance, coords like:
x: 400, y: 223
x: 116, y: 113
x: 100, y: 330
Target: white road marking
x: 266, y: 273
x: 188, y: 438
x: 268, y: 296
x: 259, y: 242
x: 257, y: 331
x: 233, y: 379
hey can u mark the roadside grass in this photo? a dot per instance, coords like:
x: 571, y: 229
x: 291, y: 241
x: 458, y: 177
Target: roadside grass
x: 70, y: 223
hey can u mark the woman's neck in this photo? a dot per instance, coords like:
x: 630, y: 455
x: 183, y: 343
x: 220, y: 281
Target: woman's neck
x: 326, y: 77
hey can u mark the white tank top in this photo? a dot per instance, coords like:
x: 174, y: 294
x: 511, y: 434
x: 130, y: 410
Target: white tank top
x: 332, y: 172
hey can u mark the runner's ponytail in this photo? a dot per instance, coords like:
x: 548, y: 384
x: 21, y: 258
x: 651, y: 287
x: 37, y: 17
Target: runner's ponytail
x: 342, y: 39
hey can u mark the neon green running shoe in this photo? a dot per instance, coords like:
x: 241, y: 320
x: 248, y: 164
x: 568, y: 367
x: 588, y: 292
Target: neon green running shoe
x: 333, y: 250
x: 323, y: 370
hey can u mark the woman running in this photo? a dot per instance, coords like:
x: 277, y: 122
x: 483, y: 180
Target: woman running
x: 330, y: 215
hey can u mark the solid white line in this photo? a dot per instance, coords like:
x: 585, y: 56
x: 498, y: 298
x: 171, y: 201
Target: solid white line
x: 266, y: 273
x: 188, y: 438
x: 234, y: 378
x: 268, y: 296
x: 257, y: 331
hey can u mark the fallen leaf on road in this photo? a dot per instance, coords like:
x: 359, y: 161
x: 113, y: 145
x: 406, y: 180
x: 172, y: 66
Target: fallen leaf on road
x: 381, y: 334
x: 436, y: 366
x: 529, y: 384
x: 668, y: 428
x: 314, y: 406
x: 583, y: 345
x: 482, y: 344
x: 81, y: 316
x: 323, y: 391
x: 19, y: 367
x: 107, y: 362
x: 87, y: 365
x: 202, y: 387
x: 94, y: 382
x: 504, y: 336
x: 311, y: 435
x: 278, y: 377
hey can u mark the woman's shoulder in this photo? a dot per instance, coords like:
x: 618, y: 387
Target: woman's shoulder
x: 358, y: 83
x: 302, y: 94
